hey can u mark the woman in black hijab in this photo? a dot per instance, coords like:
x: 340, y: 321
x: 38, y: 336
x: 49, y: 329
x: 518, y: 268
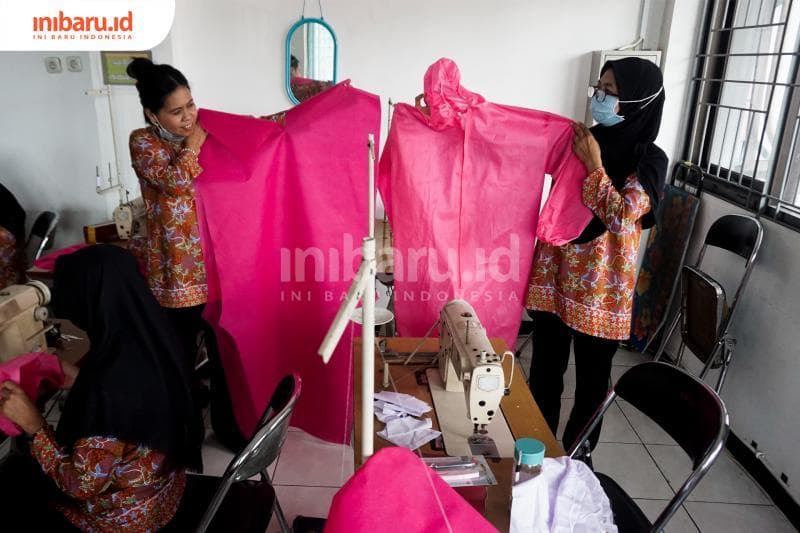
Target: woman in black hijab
x: 583, y: 291
x: 125, y: 434
x: 12, y: 239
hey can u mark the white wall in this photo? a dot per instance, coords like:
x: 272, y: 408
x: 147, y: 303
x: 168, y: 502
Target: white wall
x: 521, y: 52
x: 48, y: 142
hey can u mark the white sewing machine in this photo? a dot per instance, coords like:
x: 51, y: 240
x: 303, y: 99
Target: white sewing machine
x: 22, y: 319
x: 130, y: 218
x: 468, y: 364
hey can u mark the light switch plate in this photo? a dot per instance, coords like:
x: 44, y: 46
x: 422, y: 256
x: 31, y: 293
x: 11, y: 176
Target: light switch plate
x: 74, y: 64
x: 52, y: 64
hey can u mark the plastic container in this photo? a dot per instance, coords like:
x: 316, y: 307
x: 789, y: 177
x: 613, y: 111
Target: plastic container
x: 528, y: 459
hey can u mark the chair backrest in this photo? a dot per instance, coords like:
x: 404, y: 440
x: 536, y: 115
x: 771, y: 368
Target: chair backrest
x: 739, y: 234
x: 263, y: 448
x: 702, y: 312
x: 270, y: 432
x: 681, y: 404
x: 41, y: 235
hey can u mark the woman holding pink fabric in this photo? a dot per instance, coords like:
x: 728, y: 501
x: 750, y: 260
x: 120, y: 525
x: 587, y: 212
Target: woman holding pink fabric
x: 582, y: 292
x: 165, y: 157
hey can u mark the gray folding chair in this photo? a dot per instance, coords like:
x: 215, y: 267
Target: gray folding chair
x: 683, y: 406
x: 234, y: 502
x: 705, y: 315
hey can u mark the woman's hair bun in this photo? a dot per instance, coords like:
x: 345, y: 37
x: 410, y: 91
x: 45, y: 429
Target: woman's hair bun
x: 139, y: 68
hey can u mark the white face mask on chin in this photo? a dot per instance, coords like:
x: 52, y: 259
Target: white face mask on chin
x: 164, y: 133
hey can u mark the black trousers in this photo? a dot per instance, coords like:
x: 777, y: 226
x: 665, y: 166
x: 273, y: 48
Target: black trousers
x: 593, y: 355
x: 188, y: 324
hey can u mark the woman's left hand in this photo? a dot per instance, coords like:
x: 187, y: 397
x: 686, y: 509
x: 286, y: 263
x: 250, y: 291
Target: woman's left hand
x: 17, y: 407
x: 585, y: 147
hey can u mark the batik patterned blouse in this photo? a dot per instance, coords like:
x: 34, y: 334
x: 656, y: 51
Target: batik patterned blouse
x: 590, y: 286
x: 173, y: 256
x: 9, y: 262
x: 114, y: 486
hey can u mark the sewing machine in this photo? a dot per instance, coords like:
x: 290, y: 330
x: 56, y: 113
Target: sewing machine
x: 468, y: 364
x: 130, y: 218
x: 22, y: 319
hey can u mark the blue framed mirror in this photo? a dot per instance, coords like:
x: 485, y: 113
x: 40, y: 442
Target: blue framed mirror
x: 311, y: 58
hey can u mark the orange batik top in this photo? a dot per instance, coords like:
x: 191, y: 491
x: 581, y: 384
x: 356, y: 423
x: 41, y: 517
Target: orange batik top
x: 590, y: 286
x: 173, y: 256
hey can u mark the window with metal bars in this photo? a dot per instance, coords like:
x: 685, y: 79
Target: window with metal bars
x: 743, y: 126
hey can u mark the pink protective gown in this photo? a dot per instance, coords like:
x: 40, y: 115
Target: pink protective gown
x: 462, y: 189
x: 282, y: 213
x: 396, y: 492
x: 30, y: 371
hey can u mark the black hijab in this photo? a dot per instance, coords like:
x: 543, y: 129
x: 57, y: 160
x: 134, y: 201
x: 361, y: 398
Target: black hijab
x: 628, y: 147
x: 12, y: 216
x: 133, y: 383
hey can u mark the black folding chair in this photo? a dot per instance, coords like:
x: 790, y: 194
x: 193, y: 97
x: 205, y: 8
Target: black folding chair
x: 683, y: 406
x: 234, y: 502
x: 705, y: 314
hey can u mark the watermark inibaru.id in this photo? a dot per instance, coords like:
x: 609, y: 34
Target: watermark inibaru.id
x: 500, y: 263
x: 62, y: 26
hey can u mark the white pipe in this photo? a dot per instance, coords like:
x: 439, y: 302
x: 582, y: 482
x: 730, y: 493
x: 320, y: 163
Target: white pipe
x: 368, y: 317
x: 371, y: 209
x: 368, y: 351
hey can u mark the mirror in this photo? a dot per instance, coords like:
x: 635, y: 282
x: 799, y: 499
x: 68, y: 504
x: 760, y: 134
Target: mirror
x: 311, y: 54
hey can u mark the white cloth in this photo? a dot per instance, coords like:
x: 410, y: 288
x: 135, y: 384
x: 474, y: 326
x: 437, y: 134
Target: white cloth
x: 565, y: 497
x: 402, y: 402
x: 409, y: 432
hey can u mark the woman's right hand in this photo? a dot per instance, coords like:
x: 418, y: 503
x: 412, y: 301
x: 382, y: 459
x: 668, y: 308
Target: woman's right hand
x: 196, y: 139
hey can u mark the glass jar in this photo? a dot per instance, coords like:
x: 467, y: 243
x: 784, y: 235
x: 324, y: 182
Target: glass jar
x: 528, y: 459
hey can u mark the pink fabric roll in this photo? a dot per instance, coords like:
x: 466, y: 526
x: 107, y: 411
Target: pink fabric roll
x: 462, y: 189
x: 282, y: 212
x: 396, y: 492
x: 30, y: 371
x: 48, y: 262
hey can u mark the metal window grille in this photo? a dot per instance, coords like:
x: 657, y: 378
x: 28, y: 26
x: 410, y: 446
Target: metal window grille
x: 744, y: 125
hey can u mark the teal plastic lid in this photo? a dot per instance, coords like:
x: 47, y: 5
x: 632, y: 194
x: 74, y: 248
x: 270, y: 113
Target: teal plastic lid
x: 529, y: 452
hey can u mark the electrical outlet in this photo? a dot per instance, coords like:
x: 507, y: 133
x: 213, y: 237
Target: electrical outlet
x: 52, y: 64
x: 74, y: 64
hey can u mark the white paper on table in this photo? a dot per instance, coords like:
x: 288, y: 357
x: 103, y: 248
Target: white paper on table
x: 406, y: 402
x: 409, y: 432
x: 386, y: 417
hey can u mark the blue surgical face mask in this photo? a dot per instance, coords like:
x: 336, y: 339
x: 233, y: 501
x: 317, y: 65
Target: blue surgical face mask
x: 603, y: 112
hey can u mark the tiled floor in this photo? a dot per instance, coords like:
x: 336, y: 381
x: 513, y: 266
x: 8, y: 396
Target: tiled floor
x: 650, y: 466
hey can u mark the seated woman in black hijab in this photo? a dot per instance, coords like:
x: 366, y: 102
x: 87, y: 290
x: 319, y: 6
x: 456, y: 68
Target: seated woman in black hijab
x: 122, y: 444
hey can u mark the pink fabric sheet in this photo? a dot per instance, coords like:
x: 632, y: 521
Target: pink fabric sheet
x: 30, y: 371
x: 48, y: 262
x: 283, y: 211
x: 462, y: 188
x: 396, y: 492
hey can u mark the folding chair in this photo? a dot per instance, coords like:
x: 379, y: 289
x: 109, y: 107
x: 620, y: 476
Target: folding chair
x: 41, y: 235
x: 683, y: 406
x: 234, y: 502
x: 705, y: 314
